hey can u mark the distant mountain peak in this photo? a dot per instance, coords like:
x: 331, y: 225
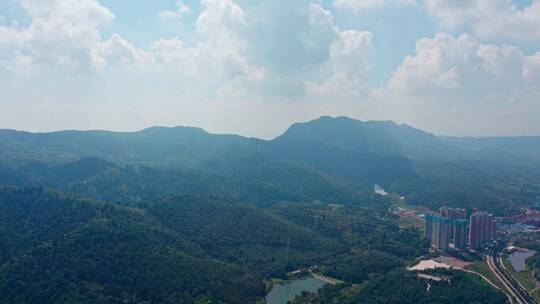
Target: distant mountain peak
x: 383, y: 137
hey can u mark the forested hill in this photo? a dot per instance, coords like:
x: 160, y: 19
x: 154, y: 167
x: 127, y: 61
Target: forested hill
x: 389, y: 138
x: 56, y: 249
x: 378, y: 137
x: 179, y: 146
x: 262, y: 183
x: 490, y: 173
x: 185, y: 249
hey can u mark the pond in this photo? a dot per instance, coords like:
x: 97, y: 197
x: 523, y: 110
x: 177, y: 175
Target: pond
x: 379, y: 190
x: 517, y: 259
x: 281, y: 293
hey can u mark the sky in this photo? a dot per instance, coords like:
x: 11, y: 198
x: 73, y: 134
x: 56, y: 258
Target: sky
x: 460, y: 67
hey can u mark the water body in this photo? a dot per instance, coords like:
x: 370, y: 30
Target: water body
x: 517, y: 259
x: 379, y: 190
x: 281, y: 293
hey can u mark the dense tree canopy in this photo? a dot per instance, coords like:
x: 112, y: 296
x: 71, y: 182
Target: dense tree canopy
x: 405, y: 288
x: 57, y: 248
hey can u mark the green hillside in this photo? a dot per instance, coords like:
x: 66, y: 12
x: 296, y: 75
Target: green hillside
x: 182, y: 249
x: 56, y: 249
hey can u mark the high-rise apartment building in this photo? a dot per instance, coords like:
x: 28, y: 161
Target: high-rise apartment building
x: 474, y: 231
x: 444, y: 233
x: 453, y: 214
x: 452, y: 225
x: 428, y: 226
x: 483, y: 228
x: 460, y: 234
x: 437, y: 231
x: 460, y: 214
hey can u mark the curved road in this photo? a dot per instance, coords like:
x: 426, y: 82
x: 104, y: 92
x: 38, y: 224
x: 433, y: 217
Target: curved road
x: 517, y: 291
x: 510, y: 298
x: 500, y: 277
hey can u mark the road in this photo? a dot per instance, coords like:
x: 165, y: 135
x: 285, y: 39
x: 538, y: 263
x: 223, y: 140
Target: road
x: 507, y: 286
x: 510, y: 298
x: 517, y: 291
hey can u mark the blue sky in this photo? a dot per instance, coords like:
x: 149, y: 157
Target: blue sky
x: 254, y: 67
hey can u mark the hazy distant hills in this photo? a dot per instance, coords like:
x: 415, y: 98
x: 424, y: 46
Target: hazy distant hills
x: 187, y: 146
x: 337, y: 155
x: 194, y: 148
x: 389, y: 138
x: 517, y: 149
x: 378, y: 137
x: 157, y: 145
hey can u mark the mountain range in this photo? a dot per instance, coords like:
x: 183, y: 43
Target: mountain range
x: 188, y: 146
x: 340, y: 153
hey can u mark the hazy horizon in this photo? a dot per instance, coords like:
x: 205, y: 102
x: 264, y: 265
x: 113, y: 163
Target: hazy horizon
x: 251, y: 136
x: 235, y: 66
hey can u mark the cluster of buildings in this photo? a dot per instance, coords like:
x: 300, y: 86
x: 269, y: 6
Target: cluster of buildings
x: 452, y: 227
x: 527, y: 216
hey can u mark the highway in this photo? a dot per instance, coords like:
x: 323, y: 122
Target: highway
x: 517, y: 291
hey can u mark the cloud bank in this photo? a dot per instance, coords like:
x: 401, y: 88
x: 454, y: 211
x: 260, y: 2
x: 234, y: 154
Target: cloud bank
x: 245, y: 64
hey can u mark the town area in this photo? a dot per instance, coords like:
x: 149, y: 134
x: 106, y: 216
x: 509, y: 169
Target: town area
x: 502, y: 250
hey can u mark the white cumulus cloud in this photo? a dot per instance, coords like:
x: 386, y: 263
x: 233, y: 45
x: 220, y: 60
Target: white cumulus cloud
x: 347, y: 58
x: 118, y: 50
x: 65, y: 35
x: 461, y: 84
x: 62, y: 34
x: 348, y: 63
x: 489, y: 18
x: 445, y: 63
x: 531, y: 68
x: 181, y: 9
